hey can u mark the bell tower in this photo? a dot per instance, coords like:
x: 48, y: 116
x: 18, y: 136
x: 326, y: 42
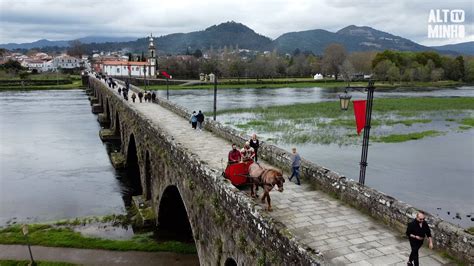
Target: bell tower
x: 151, y: 57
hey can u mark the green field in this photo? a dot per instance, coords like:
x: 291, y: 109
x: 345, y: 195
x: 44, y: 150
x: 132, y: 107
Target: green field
x: 60, y: 236
x: 325, y: 123
x: 39, y: 263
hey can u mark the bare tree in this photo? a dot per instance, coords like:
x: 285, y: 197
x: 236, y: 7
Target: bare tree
x: 333, y: 57
x: 347, y: 70
x: 76, y: 48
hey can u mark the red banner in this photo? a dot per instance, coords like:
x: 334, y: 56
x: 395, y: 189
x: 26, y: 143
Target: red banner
x: 165, y: 74
x: 359, y: 113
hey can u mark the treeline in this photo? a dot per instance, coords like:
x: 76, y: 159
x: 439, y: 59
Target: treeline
x: 391, y: 66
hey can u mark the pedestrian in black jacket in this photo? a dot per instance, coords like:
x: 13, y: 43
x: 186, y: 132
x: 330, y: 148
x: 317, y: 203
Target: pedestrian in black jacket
x: 140, y: 96
x: 200, y: 119
x: 416, y: 232
x: 255, y: 144
x: 153, y: 96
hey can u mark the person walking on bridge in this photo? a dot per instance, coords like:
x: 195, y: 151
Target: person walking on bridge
x: 193, y: 120
x: 200, y: 119
x: 255, y: 144
x: 295, y: 165
x: 153, y: 97
x: 134, y: 96
x: 416, y: 232
x: 140, y: 96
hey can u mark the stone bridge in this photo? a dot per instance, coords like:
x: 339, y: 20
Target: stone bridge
x: 328, y: 220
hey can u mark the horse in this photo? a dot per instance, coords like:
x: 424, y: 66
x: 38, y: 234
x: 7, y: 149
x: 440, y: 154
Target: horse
x: 267, y: 179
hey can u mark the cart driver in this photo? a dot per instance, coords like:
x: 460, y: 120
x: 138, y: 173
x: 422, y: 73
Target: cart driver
x: 234, y: 155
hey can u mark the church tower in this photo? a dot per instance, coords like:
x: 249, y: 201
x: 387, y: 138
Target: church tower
x: 151, y: 57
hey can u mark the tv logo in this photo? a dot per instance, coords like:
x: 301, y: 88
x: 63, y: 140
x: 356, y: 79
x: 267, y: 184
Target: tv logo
x: 445, y: 23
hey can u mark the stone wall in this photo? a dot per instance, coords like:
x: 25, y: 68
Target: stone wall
x: 225, y: 222
x: 447, y: 237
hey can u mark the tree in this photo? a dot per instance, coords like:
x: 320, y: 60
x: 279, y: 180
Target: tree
x: 76, y: 48
x: 381, y: 70
x: 362, y: 61
x: 393, y: 73
x: 437, y: 74
x: 334, y: 55
x: 460, y: 62
x: 197, y: 53
x: 347, y: 70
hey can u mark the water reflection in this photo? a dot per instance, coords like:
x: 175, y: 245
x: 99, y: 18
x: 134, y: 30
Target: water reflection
x: 52, y: 163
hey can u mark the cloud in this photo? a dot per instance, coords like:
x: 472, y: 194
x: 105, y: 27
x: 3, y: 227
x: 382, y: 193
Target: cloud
x: 29, y: 20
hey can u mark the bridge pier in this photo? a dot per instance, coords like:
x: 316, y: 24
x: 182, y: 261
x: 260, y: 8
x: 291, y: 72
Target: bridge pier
x: 93, y: 100
x: 103, y: 120
x: 97, y: 108
x: 107, y: 134
x: 118, y: 160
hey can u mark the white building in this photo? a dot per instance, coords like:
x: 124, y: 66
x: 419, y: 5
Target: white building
x: 132, y: 69
x: 123, y: 68
x: 318, y: 76
x: 33, y: 64
x: 66, y: 62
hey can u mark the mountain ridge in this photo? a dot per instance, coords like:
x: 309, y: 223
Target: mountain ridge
x: 354, y: 38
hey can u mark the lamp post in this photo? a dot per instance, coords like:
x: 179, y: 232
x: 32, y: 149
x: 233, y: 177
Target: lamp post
x: 215, y: 96
x: 167, y: 86
x: 24, y: 229
x: 344, y: 101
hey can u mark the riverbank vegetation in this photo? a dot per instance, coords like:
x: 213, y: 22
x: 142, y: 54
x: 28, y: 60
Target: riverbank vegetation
x: 64, y: 233
x: 39, y: 263
x: 303, y: 83
x: 388, y: 66
x: 394, y: 120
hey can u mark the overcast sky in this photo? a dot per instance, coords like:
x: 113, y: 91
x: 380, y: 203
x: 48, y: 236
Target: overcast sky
x: 30, y: 20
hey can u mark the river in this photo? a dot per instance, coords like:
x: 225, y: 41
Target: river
x: 52, y: 163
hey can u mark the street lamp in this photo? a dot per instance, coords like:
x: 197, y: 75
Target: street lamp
x: 24, y: 229
x: 215, y: 96
x: 167, y: 86
x: 344, y: 101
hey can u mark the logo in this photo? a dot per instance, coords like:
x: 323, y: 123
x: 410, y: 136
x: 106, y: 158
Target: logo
x: 446, y: 24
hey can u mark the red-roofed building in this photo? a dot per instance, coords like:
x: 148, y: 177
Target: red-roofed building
x: 129, y: 68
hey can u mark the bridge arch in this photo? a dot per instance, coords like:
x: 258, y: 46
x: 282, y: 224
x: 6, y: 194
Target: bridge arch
x: 230, y: 262
x: 173, y: 220
x: 133, y: 167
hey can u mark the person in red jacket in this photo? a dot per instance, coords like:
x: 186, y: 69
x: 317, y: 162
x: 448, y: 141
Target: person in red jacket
x: 234, y: 155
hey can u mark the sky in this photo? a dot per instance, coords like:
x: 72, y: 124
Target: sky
x: 31, y: 20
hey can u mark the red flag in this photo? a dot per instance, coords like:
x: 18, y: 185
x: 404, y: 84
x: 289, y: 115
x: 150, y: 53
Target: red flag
x: 165, y: 74
x: 129, y: 69
x: 359, y: 113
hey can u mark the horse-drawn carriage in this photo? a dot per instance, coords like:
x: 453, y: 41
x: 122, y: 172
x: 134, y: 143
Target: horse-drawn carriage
x: 238, y: 173
x: 254, y: 174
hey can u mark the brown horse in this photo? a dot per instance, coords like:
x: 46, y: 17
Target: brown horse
x: 267, y: 179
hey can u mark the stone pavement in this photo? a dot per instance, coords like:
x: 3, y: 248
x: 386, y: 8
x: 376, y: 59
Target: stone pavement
x: 96, y: 256
x: 342, y: 234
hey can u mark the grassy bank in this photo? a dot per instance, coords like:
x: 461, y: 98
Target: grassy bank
x: 303, y: 83
x: 325, y: 123
x: 74, y: 85
x: 58, y: 236
x: 27, y: 262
